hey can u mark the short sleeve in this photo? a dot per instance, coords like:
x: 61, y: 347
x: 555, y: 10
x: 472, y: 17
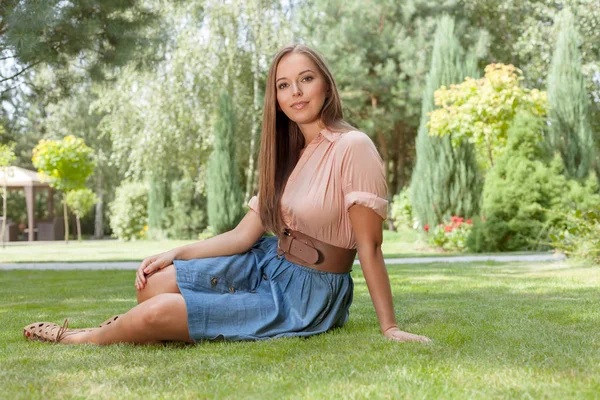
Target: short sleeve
x: 363, y: 175
x: 253, y: 204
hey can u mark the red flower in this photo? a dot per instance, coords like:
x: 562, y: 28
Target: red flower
x: 426, y: 227
x: 469, y: 222
x: 448, y: 228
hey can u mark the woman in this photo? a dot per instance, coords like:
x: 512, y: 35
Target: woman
x: 328, y: 181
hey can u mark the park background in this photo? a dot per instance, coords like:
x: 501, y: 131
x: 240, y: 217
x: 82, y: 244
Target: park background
x: 146, y: 117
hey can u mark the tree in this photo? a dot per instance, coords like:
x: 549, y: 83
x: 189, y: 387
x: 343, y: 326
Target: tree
x: 7, y: 156
x: 445, y: 181
x: 80, y: 201
x: 65, y: 164
x: 570, y: 132
x: 479, y: 111
x: 55, y: 32
x: 224, y: 192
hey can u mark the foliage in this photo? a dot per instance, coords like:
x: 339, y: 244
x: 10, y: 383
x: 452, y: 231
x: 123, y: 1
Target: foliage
x: 402, y: 214
x: 81, y: 201
x: 56, y: 32
x: 7, y: 154
x: 66, y: 163
x: 156, y: 206
x: 570, y: 131
x: 223, y: 188
x: 186, y: 216
x: 521, y: 189
x: 128, y: 212
x: 480, y: 110
x: 579, y: 237
x: 450, y: 235
x: 445, y: 180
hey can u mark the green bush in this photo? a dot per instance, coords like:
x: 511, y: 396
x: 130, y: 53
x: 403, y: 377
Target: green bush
x: 129, y: 212
x: 402, y: 215
x: 186, y: 215
x: 520, y: 191
x: 579, y: 237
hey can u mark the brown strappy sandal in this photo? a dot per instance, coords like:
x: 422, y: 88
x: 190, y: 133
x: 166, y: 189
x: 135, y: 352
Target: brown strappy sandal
x: 48, y: 331
x: 110, y: 320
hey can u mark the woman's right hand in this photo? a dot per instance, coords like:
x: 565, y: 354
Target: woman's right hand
x: 152, y: 264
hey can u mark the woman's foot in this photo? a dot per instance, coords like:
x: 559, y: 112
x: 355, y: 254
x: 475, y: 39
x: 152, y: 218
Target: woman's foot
x: 51, y: 332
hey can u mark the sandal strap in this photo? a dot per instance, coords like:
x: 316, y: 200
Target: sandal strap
x: 62, y: 331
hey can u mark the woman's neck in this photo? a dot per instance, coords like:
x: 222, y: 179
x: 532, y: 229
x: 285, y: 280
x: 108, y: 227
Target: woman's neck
x: 310, y: 131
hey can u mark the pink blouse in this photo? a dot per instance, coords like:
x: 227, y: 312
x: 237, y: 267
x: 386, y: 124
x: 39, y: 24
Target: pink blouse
x: 335, y: 171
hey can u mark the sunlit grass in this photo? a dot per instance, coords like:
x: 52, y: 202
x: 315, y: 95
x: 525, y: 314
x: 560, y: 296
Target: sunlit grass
x: 500, y: 331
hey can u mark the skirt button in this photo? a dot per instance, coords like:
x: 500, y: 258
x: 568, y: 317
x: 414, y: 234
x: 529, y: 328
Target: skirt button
x: 265, y: 277
x: 213, y: 281
x: 231, y: 289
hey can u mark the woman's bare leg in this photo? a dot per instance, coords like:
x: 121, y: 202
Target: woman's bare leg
x: 162, y: 281
x: 162, y: 317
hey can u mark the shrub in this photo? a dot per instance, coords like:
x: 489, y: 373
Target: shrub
x: 579, y: 237
x: 186, y: 216
x: 402, y: 215
x: 521, y: 189
x: 451, y: 236
x: 128, y: 212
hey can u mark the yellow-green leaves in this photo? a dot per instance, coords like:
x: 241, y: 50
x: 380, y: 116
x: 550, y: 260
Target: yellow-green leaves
x: 80, y: 201
x: 65, y: 164
x: 481, y: 110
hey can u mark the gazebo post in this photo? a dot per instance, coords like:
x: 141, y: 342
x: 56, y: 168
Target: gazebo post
x: 29, y: 192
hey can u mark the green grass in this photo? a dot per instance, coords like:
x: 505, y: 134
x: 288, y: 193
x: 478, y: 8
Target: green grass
x: 501, y: 331
x: 405, y: 242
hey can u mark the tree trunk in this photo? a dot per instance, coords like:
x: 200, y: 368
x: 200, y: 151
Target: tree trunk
x: 66, y: 218
x: 78, y: 228
x: 99, y: 217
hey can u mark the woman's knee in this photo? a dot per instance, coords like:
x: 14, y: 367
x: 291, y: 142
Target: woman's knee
x: 163, y: 281
x: 160, y: 310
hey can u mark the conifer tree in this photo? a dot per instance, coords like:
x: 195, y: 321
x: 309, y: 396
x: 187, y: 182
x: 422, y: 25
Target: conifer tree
x: 570, y: 131
x: 224, y: 192
x: 445, y: 180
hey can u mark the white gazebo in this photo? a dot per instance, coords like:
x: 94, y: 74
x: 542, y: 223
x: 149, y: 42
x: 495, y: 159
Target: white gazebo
x: 20, y: 178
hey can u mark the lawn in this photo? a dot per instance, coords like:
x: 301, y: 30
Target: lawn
x: 405, y: 242
x: 500, y: 331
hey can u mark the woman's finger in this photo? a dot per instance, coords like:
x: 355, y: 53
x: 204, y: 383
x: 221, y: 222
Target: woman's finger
x: 150, y: 268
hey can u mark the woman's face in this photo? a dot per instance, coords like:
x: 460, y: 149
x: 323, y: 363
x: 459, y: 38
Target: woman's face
x: 301, y: 88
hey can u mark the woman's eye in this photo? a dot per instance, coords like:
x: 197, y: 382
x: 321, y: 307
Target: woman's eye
x: 308, y: 78
x: 282, y: 85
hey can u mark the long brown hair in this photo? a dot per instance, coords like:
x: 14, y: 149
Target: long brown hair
x: 282, y: 139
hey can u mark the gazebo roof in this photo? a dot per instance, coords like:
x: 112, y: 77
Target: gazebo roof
x: 21, y: 177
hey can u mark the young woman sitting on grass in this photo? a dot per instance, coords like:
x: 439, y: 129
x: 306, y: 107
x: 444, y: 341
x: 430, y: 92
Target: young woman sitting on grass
x: 327, y: 179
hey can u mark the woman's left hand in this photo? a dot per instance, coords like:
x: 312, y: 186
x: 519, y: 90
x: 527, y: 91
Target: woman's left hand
x: 396, y: 334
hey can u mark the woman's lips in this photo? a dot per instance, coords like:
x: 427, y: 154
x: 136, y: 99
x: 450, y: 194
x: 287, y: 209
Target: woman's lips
x: 300, y: 105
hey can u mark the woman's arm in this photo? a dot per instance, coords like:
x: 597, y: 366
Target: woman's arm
x: 368, y: 231
x: 235, y: 241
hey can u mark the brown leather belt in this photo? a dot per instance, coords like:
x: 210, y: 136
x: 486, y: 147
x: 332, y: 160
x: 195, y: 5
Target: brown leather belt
x: 307, y: 251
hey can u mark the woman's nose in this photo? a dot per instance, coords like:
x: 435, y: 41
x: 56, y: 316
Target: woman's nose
x: 296, y: 89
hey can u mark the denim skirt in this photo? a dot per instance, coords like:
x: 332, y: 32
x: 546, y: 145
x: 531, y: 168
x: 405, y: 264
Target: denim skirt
x: 257, y: 295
